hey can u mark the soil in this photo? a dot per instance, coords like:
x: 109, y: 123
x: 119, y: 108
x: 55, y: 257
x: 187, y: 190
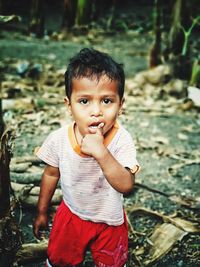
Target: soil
x: 130, y: 48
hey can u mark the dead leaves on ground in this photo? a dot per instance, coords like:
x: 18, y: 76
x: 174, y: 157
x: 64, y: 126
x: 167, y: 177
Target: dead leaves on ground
x: 32, y: 93
x: 157, y: 88
x: 22, y: 78
x: 164, y: 236
x: 188, y: 202
x: 184, y: 159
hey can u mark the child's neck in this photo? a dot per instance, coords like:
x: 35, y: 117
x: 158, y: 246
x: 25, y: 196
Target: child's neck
x: 77, y: 134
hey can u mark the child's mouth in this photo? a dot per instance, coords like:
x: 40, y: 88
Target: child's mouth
x: 96, y: 125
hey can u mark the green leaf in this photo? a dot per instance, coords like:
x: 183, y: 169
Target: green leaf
x: 5, y: 19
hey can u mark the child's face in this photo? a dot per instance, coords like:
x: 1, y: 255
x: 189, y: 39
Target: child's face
x: 93, y: 102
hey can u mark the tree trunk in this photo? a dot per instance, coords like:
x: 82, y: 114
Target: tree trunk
x: 4, y: 175
x: 10, y: 238
x: 84, y: 12
x: 1, y: 114
x: 37, y: 18
x: 1, y: 119
x: 176, y: 34
x: 155, y: 51
x: 112, y: 14
x: 180, y: 23
x: 69, y: 14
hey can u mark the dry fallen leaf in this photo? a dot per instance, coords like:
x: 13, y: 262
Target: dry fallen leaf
x: 167, y: 234
x: 163, y: 239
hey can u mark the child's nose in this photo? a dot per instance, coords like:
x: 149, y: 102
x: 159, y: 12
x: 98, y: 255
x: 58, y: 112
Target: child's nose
x: 96, y: 110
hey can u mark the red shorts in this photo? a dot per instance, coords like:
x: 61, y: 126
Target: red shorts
x: 71, y: 236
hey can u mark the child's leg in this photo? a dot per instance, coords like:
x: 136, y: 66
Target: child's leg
x: 65, y: 248
x: 111, y: 247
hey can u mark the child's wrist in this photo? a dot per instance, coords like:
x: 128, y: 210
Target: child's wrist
x: 42, y: 212
x: 101, y: 154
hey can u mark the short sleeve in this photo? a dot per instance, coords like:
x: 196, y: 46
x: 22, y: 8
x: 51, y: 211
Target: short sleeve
x: 48, y: 151
x: 126, y: 153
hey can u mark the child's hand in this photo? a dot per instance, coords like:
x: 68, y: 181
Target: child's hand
x: 92, y: 143
x: 40, y: 225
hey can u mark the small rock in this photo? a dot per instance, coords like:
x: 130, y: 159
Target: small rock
x: 194, y: 95
x: 158, y: 74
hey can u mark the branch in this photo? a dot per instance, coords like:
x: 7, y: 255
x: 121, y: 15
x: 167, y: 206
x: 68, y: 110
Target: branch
x: 187, y: 34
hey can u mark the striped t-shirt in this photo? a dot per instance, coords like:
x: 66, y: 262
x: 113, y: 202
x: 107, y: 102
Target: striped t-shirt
x: 85, y: 189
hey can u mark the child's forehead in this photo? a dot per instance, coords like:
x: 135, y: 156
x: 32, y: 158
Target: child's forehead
x: 86, y: 85
x: 101, y: 82
x: 93, y: 78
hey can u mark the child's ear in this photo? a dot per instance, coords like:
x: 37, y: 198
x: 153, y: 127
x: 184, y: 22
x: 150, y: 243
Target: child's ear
x: 121, y: 106
x: 68, y: 105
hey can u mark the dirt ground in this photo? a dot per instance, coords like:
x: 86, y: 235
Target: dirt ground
x: 164, y: 137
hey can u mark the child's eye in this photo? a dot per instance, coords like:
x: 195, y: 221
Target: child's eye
x: 107, y: 101
x: 83, y: 101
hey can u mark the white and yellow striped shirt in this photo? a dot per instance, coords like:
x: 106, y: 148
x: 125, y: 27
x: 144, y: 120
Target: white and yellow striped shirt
x: 85, y: 189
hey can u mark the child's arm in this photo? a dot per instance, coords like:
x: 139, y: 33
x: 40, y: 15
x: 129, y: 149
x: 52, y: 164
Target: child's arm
x: 49, y: 181
x: 92, y: 144
x: 114, y: 171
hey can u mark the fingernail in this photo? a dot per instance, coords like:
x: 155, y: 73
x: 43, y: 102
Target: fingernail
x: 101, y: 125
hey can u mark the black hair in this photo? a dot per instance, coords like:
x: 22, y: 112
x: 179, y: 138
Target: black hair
x: 93, y: 64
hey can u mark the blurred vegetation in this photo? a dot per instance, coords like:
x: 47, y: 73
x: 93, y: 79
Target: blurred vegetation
x: 171, y: 23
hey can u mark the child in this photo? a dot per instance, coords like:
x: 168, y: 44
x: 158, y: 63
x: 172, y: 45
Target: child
x: 95, y: 160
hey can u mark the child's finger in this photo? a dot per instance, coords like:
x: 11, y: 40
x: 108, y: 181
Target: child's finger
x: 100, y: 128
